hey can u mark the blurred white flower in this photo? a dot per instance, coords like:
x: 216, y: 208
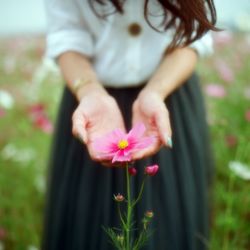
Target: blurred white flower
x: 6, y: 99
x: 242, y: 21
x: 9, y: 64
x: 40, y: 183
x: 240, y: 169
x: 46, y: 67
x: 247, y: 93
x: 31, y: 247
x: 10, y: 151
x: 1, y: 246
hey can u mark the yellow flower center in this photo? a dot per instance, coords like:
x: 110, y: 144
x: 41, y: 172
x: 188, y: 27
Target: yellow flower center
x: 122, y: 144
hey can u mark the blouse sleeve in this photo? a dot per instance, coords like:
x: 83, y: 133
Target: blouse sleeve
x: 66, y: 29
x: 203, y: 46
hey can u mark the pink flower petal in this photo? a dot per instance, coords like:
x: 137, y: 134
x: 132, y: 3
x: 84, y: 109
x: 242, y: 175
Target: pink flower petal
x: 120, y: 157
x: 104, y: 147
x: 118, y: 135
x: 137, y: 131
x: 144, y: 143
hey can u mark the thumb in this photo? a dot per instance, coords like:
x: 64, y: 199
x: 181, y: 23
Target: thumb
x: 79, y: 126
x: 163, y: 125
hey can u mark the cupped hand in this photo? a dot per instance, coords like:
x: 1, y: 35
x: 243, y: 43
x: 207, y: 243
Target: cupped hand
x: 96, y: 115
x: 150, y: 109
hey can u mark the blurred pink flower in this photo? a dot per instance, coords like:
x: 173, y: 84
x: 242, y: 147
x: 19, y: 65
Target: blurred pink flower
x: 222, y: 37
x: 2, y: 112
x: 231, y: 140
x: 3, y: 233
x: 119, y: 146
x: 152, y: 170
x: 42, y: 122
x: 225, y: 72
x: 215, y: 90
x: 247, y: 115
x: 40, y: 118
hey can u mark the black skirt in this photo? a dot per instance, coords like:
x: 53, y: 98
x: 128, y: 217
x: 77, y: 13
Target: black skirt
x: 80, y: 191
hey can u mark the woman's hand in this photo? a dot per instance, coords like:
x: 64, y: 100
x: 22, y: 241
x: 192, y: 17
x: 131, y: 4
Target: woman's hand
x: 150, y: 109
x: 96, y: 115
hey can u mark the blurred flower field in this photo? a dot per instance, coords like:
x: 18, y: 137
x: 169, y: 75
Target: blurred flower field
x: 30, y: 89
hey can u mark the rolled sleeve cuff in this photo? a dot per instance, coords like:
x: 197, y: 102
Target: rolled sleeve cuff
x: 69, y: 40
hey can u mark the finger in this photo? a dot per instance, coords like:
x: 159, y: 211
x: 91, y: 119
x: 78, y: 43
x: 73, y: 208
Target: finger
x: 79, y: 126
x: 162, y: 122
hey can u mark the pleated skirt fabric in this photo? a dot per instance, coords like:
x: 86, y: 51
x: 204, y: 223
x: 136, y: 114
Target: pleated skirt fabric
x: 80, y: 192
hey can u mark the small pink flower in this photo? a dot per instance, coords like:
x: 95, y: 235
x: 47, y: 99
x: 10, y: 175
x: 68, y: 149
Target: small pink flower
x: 132, y: 171
x: 247, y: 115
x: 215, y: 90
x: 152, y: 170
x: 120, y: 146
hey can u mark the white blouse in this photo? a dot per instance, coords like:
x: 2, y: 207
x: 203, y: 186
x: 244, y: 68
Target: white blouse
x: 124, y: 49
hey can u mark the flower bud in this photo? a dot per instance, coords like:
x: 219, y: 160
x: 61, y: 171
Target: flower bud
x: 119, y: 197
x: 149, y: 214
x: 152, y: 170
x: 132, y: 171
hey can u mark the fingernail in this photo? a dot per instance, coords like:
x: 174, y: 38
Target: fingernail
x: 169, y: 141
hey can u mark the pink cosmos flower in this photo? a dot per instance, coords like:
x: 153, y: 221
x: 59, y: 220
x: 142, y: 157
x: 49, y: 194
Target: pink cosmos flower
x: 152, y: 170
x: 39, y: 118
x: 215, y: 90
x: 120, y: 146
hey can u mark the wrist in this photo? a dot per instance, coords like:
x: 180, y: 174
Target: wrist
x: 88, y: 89
x: 154, y: 90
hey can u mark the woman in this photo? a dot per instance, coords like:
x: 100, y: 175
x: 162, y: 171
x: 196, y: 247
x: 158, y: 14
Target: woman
x: 126, y: 62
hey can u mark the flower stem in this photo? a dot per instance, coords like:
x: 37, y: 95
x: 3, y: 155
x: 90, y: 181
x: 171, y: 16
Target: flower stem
x: 129, y: 210
x: 140, y: 193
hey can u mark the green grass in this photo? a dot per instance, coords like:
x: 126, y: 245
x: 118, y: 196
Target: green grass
x: 23, y: 162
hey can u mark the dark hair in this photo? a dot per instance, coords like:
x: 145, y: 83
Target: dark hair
x: 190, y: 18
